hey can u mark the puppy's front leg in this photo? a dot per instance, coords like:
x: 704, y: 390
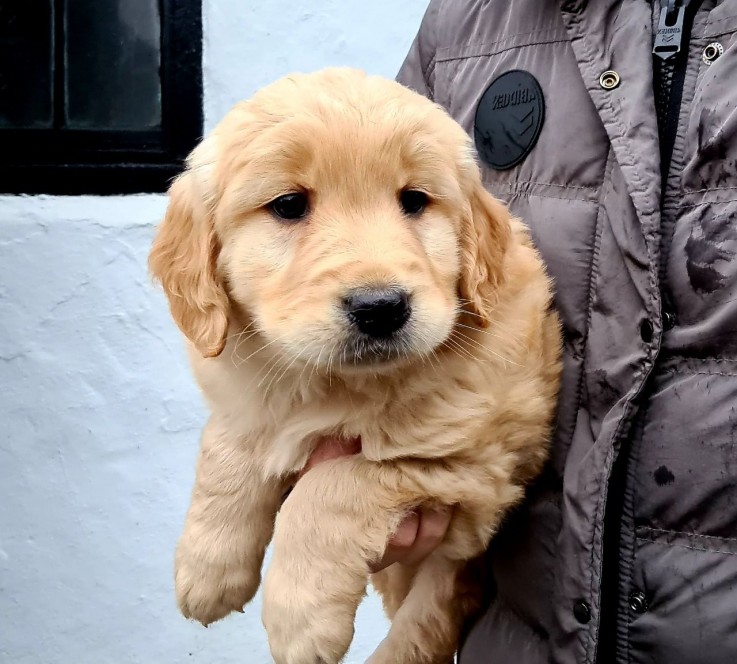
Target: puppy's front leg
x: 337, y: 519
x: 228, y: 527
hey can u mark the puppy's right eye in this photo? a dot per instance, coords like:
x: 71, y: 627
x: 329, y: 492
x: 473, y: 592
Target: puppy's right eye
x: 413, y: 201
x: 290, y: 206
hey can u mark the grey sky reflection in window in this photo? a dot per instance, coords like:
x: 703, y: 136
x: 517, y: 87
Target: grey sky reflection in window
x: 112, y: 57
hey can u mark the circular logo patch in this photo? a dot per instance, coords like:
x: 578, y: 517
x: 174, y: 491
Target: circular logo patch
x: 509, y: 119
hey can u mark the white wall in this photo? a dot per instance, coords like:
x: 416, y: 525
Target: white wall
x: 99, y: 418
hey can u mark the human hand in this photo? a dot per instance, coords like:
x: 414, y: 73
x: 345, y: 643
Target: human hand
x: 419, y: 533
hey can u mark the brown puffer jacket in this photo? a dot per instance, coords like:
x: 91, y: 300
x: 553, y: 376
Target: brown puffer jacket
x: 626, y: 549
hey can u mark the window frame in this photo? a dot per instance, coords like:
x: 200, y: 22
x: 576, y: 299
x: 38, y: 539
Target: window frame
x: 75, y: 162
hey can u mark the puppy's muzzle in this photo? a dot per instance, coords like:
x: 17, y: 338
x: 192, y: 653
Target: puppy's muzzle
x: 378, y: 312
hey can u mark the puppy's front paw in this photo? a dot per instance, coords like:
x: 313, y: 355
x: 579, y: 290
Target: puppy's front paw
x: 209, y: 589
x: 305, y: 626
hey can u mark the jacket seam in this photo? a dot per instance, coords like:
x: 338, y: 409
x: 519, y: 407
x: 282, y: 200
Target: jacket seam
x: 688, y: 534
x: 701, y: 358
x: 594, y: 260
x: 514, y: 192
x: 487, y: 47
x: 592, y: 188
x: 686, y: 546
x: 687, y: 365
x: 719, y: 32
x: 701, y: 191
x: 485, y: 54
x: 730, y: 374
x: 530, y: 189
x: 724, y: 19
x: 683, y: 206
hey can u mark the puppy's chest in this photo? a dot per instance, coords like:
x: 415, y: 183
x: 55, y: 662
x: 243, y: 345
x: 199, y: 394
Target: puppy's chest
x: 428, y: 421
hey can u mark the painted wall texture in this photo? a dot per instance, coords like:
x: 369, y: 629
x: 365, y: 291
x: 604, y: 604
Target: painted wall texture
x: 99, y: 418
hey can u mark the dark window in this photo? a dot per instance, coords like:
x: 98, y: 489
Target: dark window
x: 98, y: 96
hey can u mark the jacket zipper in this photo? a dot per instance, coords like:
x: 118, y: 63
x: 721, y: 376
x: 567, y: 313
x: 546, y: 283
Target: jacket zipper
x: 670, y: 51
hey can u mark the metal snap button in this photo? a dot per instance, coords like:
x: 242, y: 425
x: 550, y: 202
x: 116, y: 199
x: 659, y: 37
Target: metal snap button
x: 638, y: 602
x: 712, y: 52
x: 609, y: 80
x: 582, y: 612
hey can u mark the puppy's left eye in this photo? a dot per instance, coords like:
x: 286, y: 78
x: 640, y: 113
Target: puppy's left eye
x: 290, y: 206
x: 413, y: 201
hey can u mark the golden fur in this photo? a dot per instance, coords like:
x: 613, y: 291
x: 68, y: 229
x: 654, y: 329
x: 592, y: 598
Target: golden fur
x: 460, y: 417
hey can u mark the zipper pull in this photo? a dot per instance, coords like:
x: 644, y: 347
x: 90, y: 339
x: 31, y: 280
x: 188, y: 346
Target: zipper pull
x: 669, y: 36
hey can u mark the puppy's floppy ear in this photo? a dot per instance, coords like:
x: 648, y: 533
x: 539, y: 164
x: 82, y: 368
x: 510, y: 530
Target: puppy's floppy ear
x: 183, y: 258
x: 485, y: 236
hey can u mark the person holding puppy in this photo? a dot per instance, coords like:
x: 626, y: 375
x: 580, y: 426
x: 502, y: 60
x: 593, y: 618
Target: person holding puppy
x: 610, y: 128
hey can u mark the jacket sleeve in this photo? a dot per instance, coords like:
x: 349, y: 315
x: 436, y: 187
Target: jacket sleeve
x: 418, y: 70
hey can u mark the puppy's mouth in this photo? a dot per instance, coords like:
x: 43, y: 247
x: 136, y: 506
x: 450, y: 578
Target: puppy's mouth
x: 362, y: 351
x: 378, y: 325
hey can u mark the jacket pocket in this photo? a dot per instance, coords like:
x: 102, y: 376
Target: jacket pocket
x: 570, y: 153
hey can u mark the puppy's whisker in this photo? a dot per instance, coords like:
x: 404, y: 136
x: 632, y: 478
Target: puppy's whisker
x: 341, y: 358
x: 497, y: 325
x: 239, y: 342
x: 259, y: 373
x: 504, y: 337
x: 267, y: 365
x: 471, y: 313
x: 274, y: 366
x: 240, y: 332
x: 302, y: 373
x: 429, y: 356
x: 243, y: 360
x: 481, y: 331
x: 270, y: 364
x: 486, y: 349
x: 330, y: 363
x: 276, y: 379
x: 432, y: 364
x: 471, y: 340
x: 315, y: 365
x: 455, y: 347
x: 463, y: 339
x: 264, y: 347
x: 494, y: 321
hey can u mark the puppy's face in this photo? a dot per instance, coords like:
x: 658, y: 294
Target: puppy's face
x: 342, y: 216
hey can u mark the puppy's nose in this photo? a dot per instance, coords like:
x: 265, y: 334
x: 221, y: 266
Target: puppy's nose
x: 378, y: 312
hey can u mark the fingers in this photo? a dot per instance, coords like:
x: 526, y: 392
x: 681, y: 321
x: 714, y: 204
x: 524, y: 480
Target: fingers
x: 433, y: 526
x: 417, y: 536
x: 400, y: 543
x: 332, y: 448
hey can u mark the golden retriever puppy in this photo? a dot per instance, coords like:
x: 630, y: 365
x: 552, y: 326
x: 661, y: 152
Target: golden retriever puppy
x: 338, y: 269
